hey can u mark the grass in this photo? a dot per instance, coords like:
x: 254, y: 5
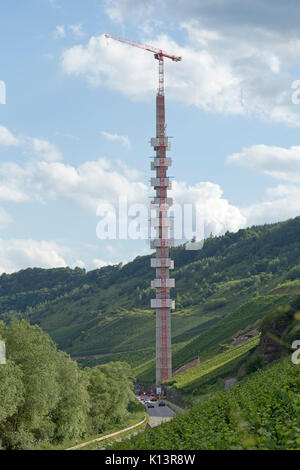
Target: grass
x: 288, y: 287
x: 125, y: 434
x: 134, y: 418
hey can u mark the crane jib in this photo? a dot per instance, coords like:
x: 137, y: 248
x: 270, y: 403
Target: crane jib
x: 146, y: 47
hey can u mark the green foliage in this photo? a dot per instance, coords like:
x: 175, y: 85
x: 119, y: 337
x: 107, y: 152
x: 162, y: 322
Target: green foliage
x: 214, y: 304
x: 109, y: 401
x: 106, y: 311
x: 135, y: 406
x: 206, y: 345
x: 191, y: 379
x: 133, y: 358
x: 35, y: 353
x: 46, y: 398
x: 254, y: 362
x: 293, y: 273
x: 220, y: 289
x: 71, y: 412
x: 279, y: 329
x: 104, y: 315
x: 261, y: 413
x: 11, y: 390
x: 283, y: 320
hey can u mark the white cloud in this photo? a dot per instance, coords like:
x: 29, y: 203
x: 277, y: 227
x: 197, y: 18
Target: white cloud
x: 99, y: 263
x: 16, y: 254
x: 199, y: 80
x: 278, y: 162
x: 14, y: 176
x: 79, y: 264
x: 130, y: 173
x: 102, y: 181
x: 7, y: 138
x: 123, y: 139
x: 233, y: 62
x: 118, y: 10
x: 217, y: 214
x: 98, y: 62
x: 45, y: 150
x: 227, y: 14
x: 150, y: 26
x: 76, y: 30
x: 280, y: 202
x: 39, y: 147
x: 10, y: 192
x: 59, y: 32
x: 85, y: 186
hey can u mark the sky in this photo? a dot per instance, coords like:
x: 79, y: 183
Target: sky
x: 79, y: 112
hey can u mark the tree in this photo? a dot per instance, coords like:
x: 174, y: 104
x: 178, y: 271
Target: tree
x: 111, y: 390
x: 44, y: 396
x: 71, y: 412
x: 34, y: 353
x: 11, y: 390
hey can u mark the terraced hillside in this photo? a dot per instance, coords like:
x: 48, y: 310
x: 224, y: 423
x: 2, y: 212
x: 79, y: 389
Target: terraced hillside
x: 104, y: 315
x: 220, y: 364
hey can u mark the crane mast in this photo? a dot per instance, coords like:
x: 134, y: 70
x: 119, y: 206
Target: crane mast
x: 161, y: 223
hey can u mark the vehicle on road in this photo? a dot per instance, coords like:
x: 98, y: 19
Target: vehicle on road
x: 161, y: 403
x: 150, y: 405
x: 153, y: 399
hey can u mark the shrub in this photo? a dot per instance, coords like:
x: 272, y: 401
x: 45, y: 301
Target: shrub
x: 293, y: 273
x: 254, y: 363
x: 214, y: 304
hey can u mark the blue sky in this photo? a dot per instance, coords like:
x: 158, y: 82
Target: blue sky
x: 80, y: 110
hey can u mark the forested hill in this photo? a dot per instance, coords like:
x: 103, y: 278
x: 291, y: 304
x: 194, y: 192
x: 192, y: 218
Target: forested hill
x: 106, y: 312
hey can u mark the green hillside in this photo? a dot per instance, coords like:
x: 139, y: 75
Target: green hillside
x: 261, y: 413
x: 104, y: 315
x: 193, y: 378
x: 207, y: 345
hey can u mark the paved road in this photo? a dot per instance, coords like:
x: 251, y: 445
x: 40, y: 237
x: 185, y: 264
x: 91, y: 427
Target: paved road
x: 159, y: 414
